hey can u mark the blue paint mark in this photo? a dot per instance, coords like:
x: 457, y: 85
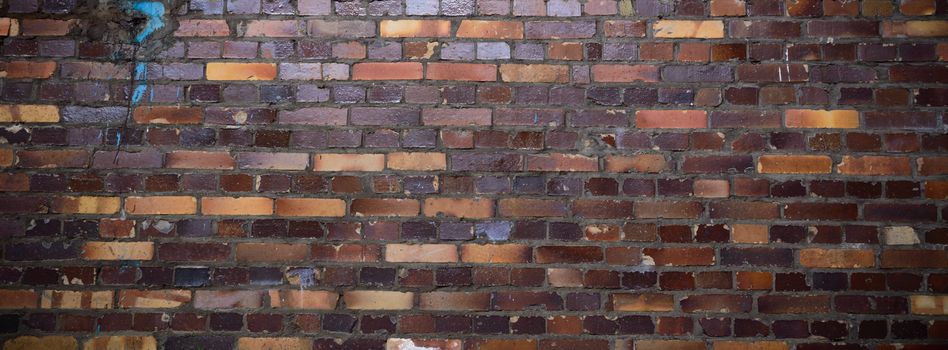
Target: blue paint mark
x: 494, y: 230
x: 141, y: 74
x: 154, y: 11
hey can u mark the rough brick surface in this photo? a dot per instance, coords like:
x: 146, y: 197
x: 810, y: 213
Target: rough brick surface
x: 476, y: 175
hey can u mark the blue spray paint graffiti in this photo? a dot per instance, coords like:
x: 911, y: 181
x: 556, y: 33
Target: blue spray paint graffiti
x: 154, y: 13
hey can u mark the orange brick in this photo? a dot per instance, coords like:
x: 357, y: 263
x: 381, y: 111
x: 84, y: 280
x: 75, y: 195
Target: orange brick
x: 837, y: 258
x: 386, y: 71
x: 161, y: 205
x: 202, y: 27
x: 9, y: 26
x: 241, y: 71
x: 694, y: 52
x: 348, y: 162
x: 158, y: 299
x: 284, y: 343
x: 421, y: 253
x: 648, y: 302
x: 418, y: 161
x: 688, y: 29
x: 618, y: 73
x: 562, y: 162
x: 303, y: 299
x: 496, y: 253
x: 6, y: 157
x: 565, y: 278
x: 310, y: 207
x: 728, y: 8
x: 52, y: 342
x: 410, y: 28
x: 478, y: 29
x: 200, y: 160
x: 86, y: 205
x: 454, y: 301
x: 914, y: 29
x: 571, y: 51
x: 272, y: 252
x: 118, y: 250
x: 27, y: 69
x: 875, y: 165
x: 476, y: 208
x: 662, y: 344
x: 385, y: 207
x: 167, y: 115
x: 534, y: 73
x: 928, y: 166
x: 18, y: 299
x: 19, y: 182
x: 524, y: 207
x: 754, y: 280
x: 116, y: 228
x: 671, y: 119
x: 794, y: 164
x: 71, y: 299
x: 29, y: 114
x: 936, y: 189
x: 130, y: 342
x: 236, y: 206
x: 815, y: 118
x: 462, y: 71
x: 378, y: 300
x: 640, y: 163
x: 749, y: 233
x: 917, y: 7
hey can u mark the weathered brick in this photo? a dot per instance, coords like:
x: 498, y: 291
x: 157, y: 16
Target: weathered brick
x: 387, y: 71
x: 809, y: 118
x: 153, y: 299
x: 250, y: 252
x: 378, y: 300
x: 477, y: 208
x: 310, y: 207
x: 496, y: 253
x: 875, y: 165
x: 410, y: 28
x: 429, y: 253
x: 688, y: 29
x: 121, y: 342
x: 614, y: 73
x: 348, y: 162
x: 29, y: 114
x: 236, y: 206
x: 118, y: 251
x: 241, y: 71
x: 837, y: 258
x: 461, y: 71
x: 794, y: 164
x: 303, y: 299
x: 479, y: 29
x: 537, y: 73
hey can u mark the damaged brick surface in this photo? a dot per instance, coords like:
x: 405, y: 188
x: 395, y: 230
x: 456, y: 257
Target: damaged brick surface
x: 474, y: 174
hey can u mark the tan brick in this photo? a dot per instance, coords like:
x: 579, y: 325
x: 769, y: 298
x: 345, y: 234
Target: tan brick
x: 86, y: 205
x: 118, y: 250
x: 639, y: 163
x: 70, y: 299
x: 837, y: 258
x: 200, y: 160
x: 228, y: 299
x: 421, y: 253
x: 29, y: 114
x: 348, y: 162
x: 241, y: 71
x: 477, y: 208
x: 153, y: 299
x: 794, y: 164
x: 52, y: 342
x: 236, y: 206
x: 418, y: 161
x: 303, y: 299
x: 688, y: 29
x: 534, y: 73
x: 749, y: 233
x: 479, y: 29
x: 496, y: 253
x: 385, y: 207
x: 387, y: 71
x: 272, y: 252
x: 930, y: 304
x: 18, y: 299
x: 378, y: 300
x: 454, y: 301
x: 410, y: 28
x: 642, y: 302
x: 121, y: 342
x: 161, y: 205
x: 817, y: 118
x: 310, y: 207
x: 284, y: 343
x: 875, y: 165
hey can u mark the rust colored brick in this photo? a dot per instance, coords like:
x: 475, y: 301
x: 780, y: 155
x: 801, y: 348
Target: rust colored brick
x: 241, y: 71
x: 387, y: 71
x: 480, y: 29
x: 461, y: 71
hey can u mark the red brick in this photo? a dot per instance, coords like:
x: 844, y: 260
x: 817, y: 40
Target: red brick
x: 461, y: 71
x: 386, y: 71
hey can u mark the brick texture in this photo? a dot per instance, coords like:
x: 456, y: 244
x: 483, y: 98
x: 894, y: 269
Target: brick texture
x: 475, y: 175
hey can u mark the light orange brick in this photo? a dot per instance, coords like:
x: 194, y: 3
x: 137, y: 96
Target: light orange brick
x: 639, y: 163
x: 86, y: 205
x: 417, y: 161
x: 161, y: 205
x: 421, y: 253
x: 236, y: 206
x: 29, y: 114
x: 480, y: 29
x: 646, y: 302
x: 837, y: 258
x: 281, y: 343
x: 875, y: 165
x: 816, y: 118
x: 310, y: 207
x: 18, y: 299
x: 51, y: 342
x: 671, y: 119
x: 496, y: 253
x: 412, y: 28
x: 534, y: 73
x: 303, y: 299
x: 241, y: 71
x: 387, y: 71
x: 121, y: 342
x: 378, y: 300
x: 75, y: 299
x: 118, y: 250
x: 472, y: 208
x: 348, y: 162
x: 462, y: 71
x: 200, y: 160
x: 153, y: 299
x: 708, y: 29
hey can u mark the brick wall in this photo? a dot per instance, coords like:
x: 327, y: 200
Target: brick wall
x: 476, y: 174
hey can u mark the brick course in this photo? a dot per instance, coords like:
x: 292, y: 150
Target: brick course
x: 479, y: 175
